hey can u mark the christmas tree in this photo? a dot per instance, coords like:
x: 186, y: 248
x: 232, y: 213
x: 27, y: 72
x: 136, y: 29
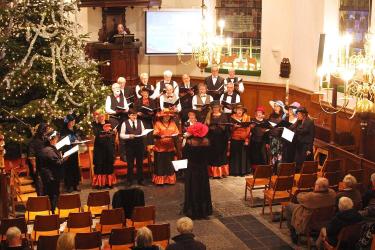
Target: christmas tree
x: 44, y: 73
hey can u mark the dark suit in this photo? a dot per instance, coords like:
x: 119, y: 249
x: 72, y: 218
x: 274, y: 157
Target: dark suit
x: 186, y: 101
x: 51, y: 169
x: 211, y: 86
x: 304, y: 136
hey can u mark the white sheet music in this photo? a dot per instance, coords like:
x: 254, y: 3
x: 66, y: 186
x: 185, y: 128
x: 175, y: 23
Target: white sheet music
x: 64, y: 141
x: 180, y: 164
x: 71, y: 151
x: 287, y: 134
x: 145, y: 132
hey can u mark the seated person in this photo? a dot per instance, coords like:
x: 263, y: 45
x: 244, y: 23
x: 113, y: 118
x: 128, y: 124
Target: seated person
x: 368, y: 200
x: 144, y: 240
x: 298, y: 215
x: 185, y: 240
x: 14, y: 240
x: 350, y: 191
x: 121, y: 30
x: 346, y: 216
x: 66, y: 241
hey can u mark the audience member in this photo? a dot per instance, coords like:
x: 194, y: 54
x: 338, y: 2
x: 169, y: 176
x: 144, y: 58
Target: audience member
x: 298, y: 215
x: 66, y: 241
x: 346, y: 216
x: 369, y: 199
x: 14, y: 240
x: 144, y: 240
x: 350, y: 191
x: 185, y: 240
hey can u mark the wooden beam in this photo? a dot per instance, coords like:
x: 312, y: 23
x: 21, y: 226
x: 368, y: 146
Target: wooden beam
x: 120, y: 3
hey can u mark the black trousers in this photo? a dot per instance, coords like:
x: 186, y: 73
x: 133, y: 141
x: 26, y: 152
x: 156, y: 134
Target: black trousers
x: 134, y: 150
x: 52, y: 189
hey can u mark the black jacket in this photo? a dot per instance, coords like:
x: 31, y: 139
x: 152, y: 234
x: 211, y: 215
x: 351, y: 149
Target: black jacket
x: 128, y: 199
x: 341, y: 220
x: 305, y: 132
x: 51, y: 164
x: 185, y: 242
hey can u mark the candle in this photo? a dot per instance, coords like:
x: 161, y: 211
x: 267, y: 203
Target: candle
x: 287, y: 92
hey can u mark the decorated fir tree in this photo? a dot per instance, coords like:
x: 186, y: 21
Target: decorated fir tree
x: 44, y: 73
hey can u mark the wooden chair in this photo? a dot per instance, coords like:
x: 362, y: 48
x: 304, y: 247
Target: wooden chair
x: 90, y: 241
x: 111, y: 219
x: 16, y: 222
x: 333, y: 178
x: 46, y: 225
x: 284, y: 169
x: 308, y: 167
x: 142, y: 216
x: 347, y: 238
x: 319, y: 218
x: 122, y: 238
x: 68, y: 203
x: 330, y: 166
x: 281, y: 191
x: 47, y: 242
x: 97, y: 202
x: 161, y: 234
x: 260, y: 180
x: 37, y: 206
x: 79, y: 223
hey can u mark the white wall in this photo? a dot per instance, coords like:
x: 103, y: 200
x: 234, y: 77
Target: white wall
x: 290, y: 28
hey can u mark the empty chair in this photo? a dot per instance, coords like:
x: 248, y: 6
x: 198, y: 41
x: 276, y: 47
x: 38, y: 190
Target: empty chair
x: 47, y: 242
x: 334, y: 179
x: 90, y: 241
x: 68, y: 203
x: 142, y: 216
x: 111, y: 219
x: 260, y: 180
x: 37, y: 206
x: 122, y: 238
x: 97, y: 201
x: 308, y: 167
x: 45, y: 225
x: 79, y: 223
x: 284, y: 169
x: 161, y: 234
x: 330, y: 166
x: 16, y: 222
x: 281, y: 191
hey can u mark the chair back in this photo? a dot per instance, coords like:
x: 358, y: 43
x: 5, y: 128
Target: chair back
x: 96, y: 199
x: 69, y: 201
x: 333, y: 178
x: 263, y: 172
x: 320, y: 217
x: 284, y: 183
x: 331, y: 166
x: 309, y: 167
x: 349, y: 236
x: 112, y: 216
x: 91, y: 240
x: 5, y: 224
x: 38, y: 204
x: 307, y: 181
x: 286, y: 169
x: 161, y: 234
x: 46, y: 222
x: 144, y: 214
x: 47, y: 242
x: 122, y: 237
x: 79, y: 222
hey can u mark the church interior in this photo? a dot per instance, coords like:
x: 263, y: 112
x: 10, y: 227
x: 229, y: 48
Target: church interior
x: 201, y: 124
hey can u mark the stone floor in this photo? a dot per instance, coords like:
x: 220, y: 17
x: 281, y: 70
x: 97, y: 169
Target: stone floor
x: 233, y: 225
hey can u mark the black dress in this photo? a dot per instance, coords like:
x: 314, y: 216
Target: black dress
x: 146, y: 117
x: 197, y: 186
x: 218, y: 136
x: 289, y: 148
x: 258, y: 141
x: 72, y: 174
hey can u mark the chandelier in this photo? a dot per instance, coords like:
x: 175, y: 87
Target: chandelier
x: 209, y: 48
x: 357, y: 71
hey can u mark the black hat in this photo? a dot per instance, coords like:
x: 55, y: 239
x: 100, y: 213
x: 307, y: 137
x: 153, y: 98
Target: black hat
x: 302, y: 110
x: 240, y: 106
x: 69, y: 118
x: 192, y: 111
x: 150, y: 91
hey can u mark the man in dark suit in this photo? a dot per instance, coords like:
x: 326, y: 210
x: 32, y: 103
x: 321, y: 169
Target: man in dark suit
x: 186, y: 93
x: 304, y: 130
x: 215, y: 83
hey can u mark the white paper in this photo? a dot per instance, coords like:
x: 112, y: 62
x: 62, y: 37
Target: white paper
x: 180, y: 164
x: 71, y: 151
x: 81, y: 142
x: 272, y: 124
x: 287, y: 134
x: 64, y: 141
x: 145, y: 132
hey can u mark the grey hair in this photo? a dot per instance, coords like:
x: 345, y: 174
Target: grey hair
x: 144, y: 237
x: 185, y: 225
x: 12, y: 233
x: 345, y: 203
x: 168, y: 73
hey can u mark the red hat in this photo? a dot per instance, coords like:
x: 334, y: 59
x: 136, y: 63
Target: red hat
x: 198, y: 130
x: 260, y: 108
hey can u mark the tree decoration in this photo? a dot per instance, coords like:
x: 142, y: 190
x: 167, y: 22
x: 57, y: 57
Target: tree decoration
x: 44, y: 72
